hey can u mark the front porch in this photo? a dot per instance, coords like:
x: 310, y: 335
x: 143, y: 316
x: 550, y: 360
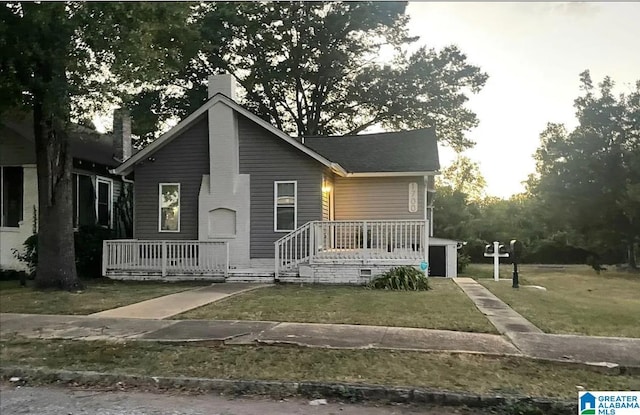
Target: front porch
x: 356, y: 250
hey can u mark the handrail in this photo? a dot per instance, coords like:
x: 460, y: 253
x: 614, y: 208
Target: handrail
x: 356, y: 241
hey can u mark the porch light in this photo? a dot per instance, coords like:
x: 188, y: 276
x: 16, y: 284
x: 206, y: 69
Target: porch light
x: 326, y: 188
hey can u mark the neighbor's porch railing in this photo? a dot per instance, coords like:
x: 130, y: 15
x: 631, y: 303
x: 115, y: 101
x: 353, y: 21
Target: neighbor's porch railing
x: 165, y: 257
x: 368, y: 242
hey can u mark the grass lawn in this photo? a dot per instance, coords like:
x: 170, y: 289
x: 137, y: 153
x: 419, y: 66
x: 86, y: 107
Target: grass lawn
x: 577, y: 300
x: 473, y: 373
x: 444, y: 307
x: 99, y: 295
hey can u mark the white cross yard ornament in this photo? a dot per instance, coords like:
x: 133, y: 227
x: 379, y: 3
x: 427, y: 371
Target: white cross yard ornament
x: 496, y: 258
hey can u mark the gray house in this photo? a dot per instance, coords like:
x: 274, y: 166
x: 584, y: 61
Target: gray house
x: 226, y: 193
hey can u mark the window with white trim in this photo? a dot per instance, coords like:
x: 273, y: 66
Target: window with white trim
x: 104, y: 201
x: 285, y: 206
x: 11, y: 189
x: 169, y: 207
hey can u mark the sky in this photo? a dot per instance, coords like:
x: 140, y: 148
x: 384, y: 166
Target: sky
x: 533, y: 54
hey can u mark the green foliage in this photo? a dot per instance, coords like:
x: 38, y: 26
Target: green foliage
x: 403, y: 278
x: 29, y: 255
x: 124, y: 212
x: 13, y: 275
x: 463, y: 261
x: 587, y: 179
x: 88, y: 247
x: 464, y: 176
x: 310, y: 68
x: 88, y: 243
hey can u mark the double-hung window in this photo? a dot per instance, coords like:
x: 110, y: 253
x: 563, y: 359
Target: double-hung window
x: 104, y: 202
x: 92, y: 201
x: 11, y: 189
x: 285, y: 206
x: 169, y: 207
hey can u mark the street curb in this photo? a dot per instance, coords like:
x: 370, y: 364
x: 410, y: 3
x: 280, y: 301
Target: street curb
x: 280, y: 389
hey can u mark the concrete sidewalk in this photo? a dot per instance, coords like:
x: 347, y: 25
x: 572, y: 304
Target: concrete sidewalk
x: 503, y: 317
x: 173, y: 304
x: 581, y: 349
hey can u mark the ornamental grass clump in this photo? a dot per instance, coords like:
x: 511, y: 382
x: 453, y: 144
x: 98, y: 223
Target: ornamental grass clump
x: 403, y: 278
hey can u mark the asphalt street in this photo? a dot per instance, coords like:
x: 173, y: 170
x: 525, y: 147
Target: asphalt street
x: 71, y: 401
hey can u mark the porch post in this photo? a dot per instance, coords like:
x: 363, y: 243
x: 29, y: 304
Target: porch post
x: 365, y: 231
x: 426, y: 243
x: 226, y: 264
x: 277, y: 259
x: 164, y: 258
x: 105, y: 257
x: 312, y: 241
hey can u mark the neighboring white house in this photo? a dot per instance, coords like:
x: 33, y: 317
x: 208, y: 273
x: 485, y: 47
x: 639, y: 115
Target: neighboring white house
x: 95, y: 189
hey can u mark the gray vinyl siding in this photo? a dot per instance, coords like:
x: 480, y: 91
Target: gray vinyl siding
x: 184, y: 160
x: 15, y: 150
x: 268, y: 158
x: 376, y: 198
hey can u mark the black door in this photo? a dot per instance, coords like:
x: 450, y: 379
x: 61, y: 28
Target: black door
x: 437, y: 261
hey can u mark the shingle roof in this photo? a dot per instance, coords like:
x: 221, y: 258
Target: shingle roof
x: 85, y: 143
x: 403, y: 151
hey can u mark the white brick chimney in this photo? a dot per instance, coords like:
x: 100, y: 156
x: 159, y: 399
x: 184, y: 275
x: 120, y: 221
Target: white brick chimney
x: 224, y: 203
x: 223, y: 84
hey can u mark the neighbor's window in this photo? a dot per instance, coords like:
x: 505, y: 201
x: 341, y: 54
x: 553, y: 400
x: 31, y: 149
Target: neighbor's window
x: 104, y: 201
x: 11, y: 185
x: 84, y: 200
x: 169, y: 207
x: 285, y: 206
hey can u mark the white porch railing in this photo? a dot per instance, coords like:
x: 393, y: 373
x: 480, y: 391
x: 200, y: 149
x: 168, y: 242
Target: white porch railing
x: 367, y: 242
x: 165, y: 257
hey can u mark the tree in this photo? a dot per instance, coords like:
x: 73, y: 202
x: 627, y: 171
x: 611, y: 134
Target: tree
x: 464, y: 175
x: 312, y: 68
x: 588, y: 179
x: 61, y: 59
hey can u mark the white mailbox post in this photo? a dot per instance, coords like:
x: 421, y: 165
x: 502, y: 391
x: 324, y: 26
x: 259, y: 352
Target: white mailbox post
x: 495, y: 253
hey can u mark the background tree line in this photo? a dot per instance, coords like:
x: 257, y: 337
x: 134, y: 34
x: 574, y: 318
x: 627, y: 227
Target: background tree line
x: 582, y: 204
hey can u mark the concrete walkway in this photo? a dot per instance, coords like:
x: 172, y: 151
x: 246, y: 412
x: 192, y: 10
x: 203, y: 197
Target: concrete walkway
x: 601, y: 351
x: 503, y: 317
x: 173, y: 304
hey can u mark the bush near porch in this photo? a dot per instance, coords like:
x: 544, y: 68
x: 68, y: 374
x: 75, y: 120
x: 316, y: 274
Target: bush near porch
x: 577, y: 300
x: 444, y: 307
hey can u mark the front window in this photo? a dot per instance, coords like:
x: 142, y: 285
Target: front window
x: 11, y: 185
x: 285, y: 206
x: 169, y: 207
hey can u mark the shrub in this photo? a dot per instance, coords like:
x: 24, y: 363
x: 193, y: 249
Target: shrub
x: 13, y: 275
x: 403, y: 278
x: 30, y: 253
x: 88, y: 247
x: 463, y: 261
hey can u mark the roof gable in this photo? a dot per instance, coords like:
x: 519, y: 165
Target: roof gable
x: 219, y: 99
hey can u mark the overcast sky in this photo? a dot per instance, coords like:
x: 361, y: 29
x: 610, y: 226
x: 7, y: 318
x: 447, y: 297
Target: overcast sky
x: 533, y: 53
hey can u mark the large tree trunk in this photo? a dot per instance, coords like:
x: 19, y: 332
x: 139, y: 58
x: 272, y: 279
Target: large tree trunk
x: 56, y: 254
x: 631, y: 254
